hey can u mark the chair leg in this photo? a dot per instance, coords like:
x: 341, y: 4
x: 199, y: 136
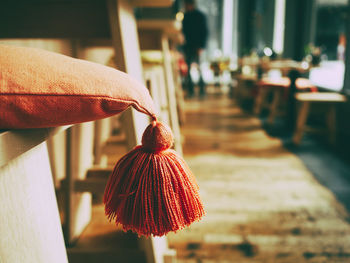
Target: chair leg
x: 274, y: 106
x: 259, y: 100
x: 331, y: 124
x: 301, y: 119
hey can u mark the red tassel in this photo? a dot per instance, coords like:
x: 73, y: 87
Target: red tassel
x: 151, y: 190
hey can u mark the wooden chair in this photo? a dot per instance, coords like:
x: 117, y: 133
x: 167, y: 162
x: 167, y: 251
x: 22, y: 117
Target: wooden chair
x: 127, y: 58
x: 328, y: 100
x: 155, y: 35
x: 155, y: 82
x: 110, y: 19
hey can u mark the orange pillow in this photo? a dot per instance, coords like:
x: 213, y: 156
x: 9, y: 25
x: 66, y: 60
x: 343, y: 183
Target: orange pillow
x: 45, y: 89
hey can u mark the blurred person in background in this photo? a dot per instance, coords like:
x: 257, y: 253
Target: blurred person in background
x: 195, y: 31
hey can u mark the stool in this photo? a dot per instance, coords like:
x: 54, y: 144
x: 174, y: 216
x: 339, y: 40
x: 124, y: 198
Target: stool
x: 266, y: 86
x: 279, y: 89
x: 327, y: 99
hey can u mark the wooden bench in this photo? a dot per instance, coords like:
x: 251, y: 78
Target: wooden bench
x: 30, y: 224
x: 329, y: 100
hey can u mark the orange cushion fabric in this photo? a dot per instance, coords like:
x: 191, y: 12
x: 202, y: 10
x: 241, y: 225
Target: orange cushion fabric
x: 45, y: 89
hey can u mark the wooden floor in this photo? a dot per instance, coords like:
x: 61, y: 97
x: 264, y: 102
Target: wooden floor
x: 262, y: 203
x: 104, y: 242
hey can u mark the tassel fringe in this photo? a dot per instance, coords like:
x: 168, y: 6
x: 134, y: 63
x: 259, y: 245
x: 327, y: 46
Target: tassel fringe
x: 152, y: 193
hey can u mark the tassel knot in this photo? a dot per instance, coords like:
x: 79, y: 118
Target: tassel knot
x: 157, y: 137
